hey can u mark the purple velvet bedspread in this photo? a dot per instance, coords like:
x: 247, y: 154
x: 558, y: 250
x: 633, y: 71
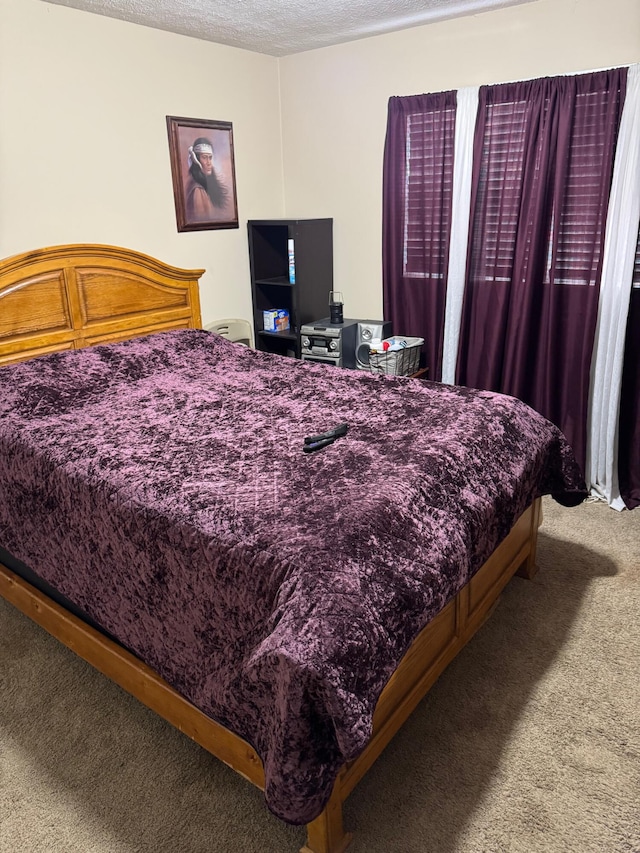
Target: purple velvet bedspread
x: 160, y: 484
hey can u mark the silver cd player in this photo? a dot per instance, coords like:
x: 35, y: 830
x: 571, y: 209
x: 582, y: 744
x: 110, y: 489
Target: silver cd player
x: 331, y: 343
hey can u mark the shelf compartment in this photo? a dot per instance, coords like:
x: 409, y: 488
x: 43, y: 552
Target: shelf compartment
x: 279, y: 281
x: 289, y: 334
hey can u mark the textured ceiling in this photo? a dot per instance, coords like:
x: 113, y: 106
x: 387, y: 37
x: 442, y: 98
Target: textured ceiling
x: 280, y: 28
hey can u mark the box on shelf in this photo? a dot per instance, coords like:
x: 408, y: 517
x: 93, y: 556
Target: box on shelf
x: 276, y: 320
x: 400, y: 356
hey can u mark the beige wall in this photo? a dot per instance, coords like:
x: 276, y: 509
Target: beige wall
x: 83, y: 143
x: 334, y: 104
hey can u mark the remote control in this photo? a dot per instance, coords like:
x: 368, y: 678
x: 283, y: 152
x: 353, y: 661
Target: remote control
x: 336, y: 432
x: 309, y: 447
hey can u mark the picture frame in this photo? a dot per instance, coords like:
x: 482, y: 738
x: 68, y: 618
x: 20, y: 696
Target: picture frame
x: 203, y: 173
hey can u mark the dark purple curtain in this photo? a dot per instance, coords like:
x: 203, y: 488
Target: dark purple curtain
x: 543, y: 161
x: 416, y: 219
x: 629, y: 427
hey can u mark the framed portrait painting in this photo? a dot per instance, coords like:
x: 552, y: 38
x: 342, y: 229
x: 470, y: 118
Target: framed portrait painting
x: 203, y: 173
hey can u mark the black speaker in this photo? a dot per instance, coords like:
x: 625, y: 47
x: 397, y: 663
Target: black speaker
x: 369, y: 331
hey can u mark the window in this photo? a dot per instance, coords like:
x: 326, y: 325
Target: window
x: 428, y: 192
x: 417, y: 200
x: 575, y: 245
x: 499, y: 192
x: 540, y: 195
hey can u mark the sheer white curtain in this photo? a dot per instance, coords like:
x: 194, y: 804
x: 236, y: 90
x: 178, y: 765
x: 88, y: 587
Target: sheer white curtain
x: 466, y: 110
x: 621, y: 238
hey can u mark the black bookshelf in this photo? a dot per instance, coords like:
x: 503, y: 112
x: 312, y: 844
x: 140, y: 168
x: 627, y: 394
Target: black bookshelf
x: 307, y: 297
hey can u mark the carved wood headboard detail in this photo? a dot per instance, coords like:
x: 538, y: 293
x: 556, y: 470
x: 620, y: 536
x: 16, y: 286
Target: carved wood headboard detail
x: 67, y: 297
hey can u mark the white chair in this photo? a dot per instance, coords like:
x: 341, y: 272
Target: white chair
x: 239, y: 331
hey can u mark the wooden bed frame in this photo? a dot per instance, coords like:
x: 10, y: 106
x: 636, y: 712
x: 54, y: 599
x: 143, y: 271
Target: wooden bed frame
x: 73, y: 296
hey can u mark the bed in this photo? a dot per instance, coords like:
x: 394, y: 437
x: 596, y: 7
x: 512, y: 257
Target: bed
x: 286, y: 610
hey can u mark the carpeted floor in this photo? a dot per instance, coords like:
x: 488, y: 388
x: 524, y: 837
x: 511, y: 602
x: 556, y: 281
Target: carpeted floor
x: 528, y: 743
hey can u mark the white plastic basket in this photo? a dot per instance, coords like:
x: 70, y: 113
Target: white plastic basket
x: 397, y: 362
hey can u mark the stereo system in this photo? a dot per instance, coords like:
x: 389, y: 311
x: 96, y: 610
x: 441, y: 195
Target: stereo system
x: 331, y: 343
x: 345, y: 344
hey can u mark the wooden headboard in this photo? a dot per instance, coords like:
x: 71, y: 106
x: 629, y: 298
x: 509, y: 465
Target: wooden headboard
x: 67, y: 297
